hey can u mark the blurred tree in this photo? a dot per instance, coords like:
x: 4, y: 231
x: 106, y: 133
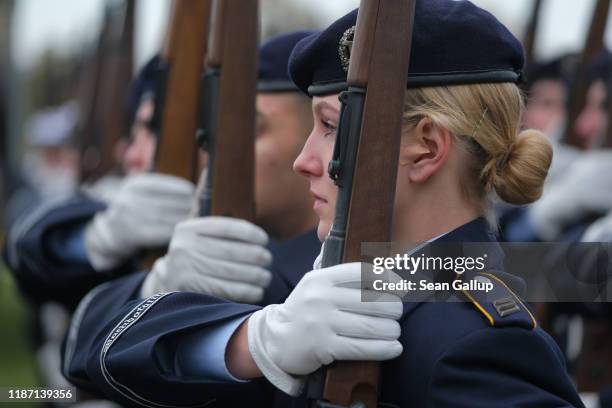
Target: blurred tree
x: 52, y: 79
x: 280, y: 16
x: 6, y: 12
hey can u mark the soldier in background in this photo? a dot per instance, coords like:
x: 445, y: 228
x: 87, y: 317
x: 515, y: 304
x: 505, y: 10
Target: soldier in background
x: 50, y: 166
x: 575, y: 207
x: 547, y: 96
x: 583, y: 193
x: 48, y: 252
x: 577, y: 187
x: 208, y: 254
x: 41, y: 251
x: 592, y: 122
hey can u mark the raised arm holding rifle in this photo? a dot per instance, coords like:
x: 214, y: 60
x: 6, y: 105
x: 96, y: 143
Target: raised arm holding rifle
x: 151, y: 204
x: 228, y: 92
x: 58, y: 252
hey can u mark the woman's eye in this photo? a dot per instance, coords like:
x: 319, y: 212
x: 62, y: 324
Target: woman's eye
x: 329, y: 127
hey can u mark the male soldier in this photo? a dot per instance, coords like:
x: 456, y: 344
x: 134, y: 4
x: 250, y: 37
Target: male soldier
x: 171, y: 348
x: 209, y: 254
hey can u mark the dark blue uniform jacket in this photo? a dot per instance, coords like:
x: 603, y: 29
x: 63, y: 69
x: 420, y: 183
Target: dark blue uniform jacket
x: 41, y: 273
x: 456, y: 354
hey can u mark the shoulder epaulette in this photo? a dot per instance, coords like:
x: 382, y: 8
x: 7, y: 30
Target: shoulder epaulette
x: 499, y: 304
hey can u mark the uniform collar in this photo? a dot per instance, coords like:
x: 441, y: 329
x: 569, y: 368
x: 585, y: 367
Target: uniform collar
x: 478, y: 231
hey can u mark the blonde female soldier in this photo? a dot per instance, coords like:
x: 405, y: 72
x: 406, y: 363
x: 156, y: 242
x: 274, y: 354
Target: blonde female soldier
x: 460, y: 144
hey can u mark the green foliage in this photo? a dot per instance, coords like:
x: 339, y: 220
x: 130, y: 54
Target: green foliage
x: 17, y: 358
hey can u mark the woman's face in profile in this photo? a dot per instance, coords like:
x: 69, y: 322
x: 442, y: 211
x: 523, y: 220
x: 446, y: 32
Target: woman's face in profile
x: 314, y: 158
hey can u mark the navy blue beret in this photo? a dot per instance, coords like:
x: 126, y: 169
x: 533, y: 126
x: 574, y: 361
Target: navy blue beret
x: 453, y: 42
x: 274, y: 55
x: 601, y: 66
x: 561, y: 69
x: 145, y: 83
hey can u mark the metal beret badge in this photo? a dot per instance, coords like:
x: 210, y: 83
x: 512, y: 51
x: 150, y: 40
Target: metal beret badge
x: 344, y: 47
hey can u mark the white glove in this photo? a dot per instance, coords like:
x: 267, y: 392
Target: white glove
x: 219, y: 256
x: 323, y: 320
x: 586, y: 188
x: 318, y: 262
x: 600, y: 230
x: 590, y: 399
x: 142, y: 215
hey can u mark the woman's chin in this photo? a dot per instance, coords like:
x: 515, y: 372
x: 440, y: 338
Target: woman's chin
x: 323, y: 229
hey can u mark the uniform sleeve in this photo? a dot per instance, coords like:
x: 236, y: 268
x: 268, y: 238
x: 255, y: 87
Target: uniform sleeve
x: 504, y: 367
x: 519, y: 227
x: 36, y: 252
x: 100, y: 305
x: 69, y: 245
x: 129, y: 349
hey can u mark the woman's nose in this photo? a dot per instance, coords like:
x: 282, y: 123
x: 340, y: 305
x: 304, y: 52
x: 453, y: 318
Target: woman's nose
x: 309, y: 163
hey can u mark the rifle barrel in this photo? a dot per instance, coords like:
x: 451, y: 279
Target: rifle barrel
x: 231, y: 78
x: 377, y: 80
x: 179, y: 100
x: 578, y: 91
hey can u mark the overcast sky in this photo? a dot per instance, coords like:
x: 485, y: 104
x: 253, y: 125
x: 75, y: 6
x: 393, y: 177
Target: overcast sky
x: 65, y: 24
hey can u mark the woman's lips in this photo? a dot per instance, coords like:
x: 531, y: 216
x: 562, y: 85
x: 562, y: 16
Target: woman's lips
x: 318, y: 201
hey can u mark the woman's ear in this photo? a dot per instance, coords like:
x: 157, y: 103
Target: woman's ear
x: 424, y: 150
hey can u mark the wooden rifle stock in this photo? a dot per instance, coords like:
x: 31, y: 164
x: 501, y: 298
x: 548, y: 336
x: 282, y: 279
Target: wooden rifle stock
x: 108, y: 113
x: 228, y: 119
x: 530, y: 34
x: 119, y: 77
x: 367, y: 145
x: 177, y: 95
x: 179, y: 99
x: 579, y: 88
x: 92, y: 84
x: 607, y: 143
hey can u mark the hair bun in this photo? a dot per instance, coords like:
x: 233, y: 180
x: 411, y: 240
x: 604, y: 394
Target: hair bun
x: 522, y: 169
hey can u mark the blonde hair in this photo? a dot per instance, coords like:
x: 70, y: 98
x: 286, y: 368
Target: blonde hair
x: 485, y: 120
